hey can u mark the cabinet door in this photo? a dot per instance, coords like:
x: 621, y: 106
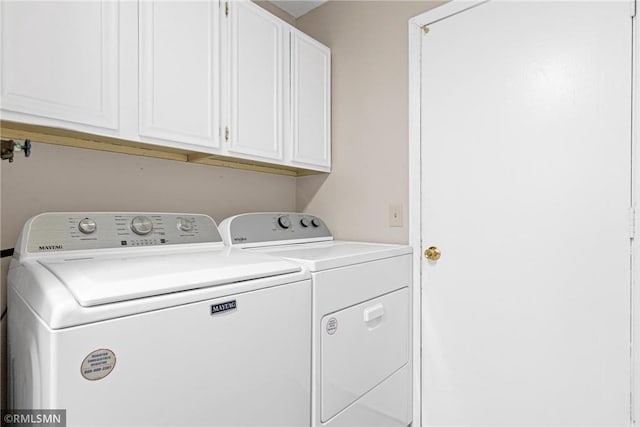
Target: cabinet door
x: 60, y: 62
x: 256, y: 76
x: 179, y: 78
x: 310, y: 101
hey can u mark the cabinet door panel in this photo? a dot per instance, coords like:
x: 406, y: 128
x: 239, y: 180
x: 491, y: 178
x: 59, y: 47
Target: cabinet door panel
x: 60, y: 60
x: 179, y: 84
x: 311, y: 103
x: 257, y: 81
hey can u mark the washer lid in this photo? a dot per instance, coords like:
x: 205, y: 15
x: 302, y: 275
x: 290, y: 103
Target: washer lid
x: 95, y: 281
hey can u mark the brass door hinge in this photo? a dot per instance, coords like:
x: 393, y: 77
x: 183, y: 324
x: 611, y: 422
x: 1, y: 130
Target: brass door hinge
x: 425, y: 29
x: 226, y: 133
x: 226, y: 8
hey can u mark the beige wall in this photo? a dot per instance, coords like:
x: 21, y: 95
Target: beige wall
x: 368, y: 41
x: 59, y: 178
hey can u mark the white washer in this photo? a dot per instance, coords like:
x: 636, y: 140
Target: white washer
x: 148, y: 319
x: 361, y: 316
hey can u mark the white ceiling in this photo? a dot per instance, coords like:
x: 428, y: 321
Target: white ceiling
x: 297, y: 8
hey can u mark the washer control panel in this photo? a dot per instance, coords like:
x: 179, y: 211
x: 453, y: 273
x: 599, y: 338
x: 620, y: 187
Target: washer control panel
x: 53, y: 232
x: 272, y: 227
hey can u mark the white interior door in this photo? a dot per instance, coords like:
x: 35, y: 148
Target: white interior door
x: 526, y: 158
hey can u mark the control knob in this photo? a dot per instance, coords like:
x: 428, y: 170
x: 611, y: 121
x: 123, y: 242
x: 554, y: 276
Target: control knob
x: 141, y: 225
x: 284, y: 222
x: 305, y: 222
x: 185, y: 224
x: 315, y: 222
x: 87, y: 226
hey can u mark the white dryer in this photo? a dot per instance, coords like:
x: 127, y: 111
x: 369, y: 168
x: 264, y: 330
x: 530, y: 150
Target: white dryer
x: 361, y: 373
x: 148, y: 319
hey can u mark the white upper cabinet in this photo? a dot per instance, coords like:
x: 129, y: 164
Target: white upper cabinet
x: 179, y: 71
x: 60, y: 63
x: 213, y: 78
x: 310, y: 101
x: 256, y: 78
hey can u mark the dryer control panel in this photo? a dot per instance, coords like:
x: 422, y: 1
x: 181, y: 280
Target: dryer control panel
x: 54, y: 232
x: 264, y: 228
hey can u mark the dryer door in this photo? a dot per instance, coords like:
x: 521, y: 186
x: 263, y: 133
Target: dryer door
x: 361, y: 347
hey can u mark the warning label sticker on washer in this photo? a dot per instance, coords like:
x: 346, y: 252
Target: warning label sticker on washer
x: 98, y: 364
x: 332, y: 326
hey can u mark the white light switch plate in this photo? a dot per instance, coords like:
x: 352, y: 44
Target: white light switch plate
x: 395, y: 215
